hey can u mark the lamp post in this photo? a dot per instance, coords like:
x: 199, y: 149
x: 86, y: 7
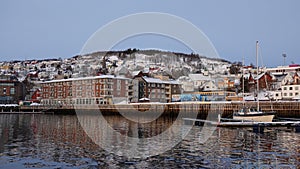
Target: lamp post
x: 284, y: 56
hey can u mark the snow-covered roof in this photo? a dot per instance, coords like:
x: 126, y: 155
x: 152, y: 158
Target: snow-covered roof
x: 155, y: 80
x: 88, y: 78
x: 259, y: 76
x: 199, y: 77
x: 249, y: 98
x: 135, y: 73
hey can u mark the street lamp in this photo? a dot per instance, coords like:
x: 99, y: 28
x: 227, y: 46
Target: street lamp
x: 284, y: 56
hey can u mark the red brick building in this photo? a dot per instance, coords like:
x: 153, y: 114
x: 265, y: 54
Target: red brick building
x: 106, y: 89
x: 11, y: 90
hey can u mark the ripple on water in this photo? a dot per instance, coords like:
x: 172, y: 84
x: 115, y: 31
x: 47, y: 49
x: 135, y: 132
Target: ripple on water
x: 55, y: 143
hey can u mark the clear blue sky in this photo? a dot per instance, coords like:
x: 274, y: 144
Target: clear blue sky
x: 36, y: 29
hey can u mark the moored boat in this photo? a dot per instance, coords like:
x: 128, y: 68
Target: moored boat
x: 251, y: 114
x: 254, y: 114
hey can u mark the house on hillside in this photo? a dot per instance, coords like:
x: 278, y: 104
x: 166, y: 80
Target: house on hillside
x: 198, y: 80
x: 208, y: 86
x: 187, y: 84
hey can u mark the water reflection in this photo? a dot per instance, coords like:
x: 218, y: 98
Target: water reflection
x: 53, y: 141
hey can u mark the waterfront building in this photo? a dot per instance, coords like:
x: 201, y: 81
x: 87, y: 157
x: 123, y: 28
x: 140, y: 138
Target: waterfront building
x: 157, y: 90
x: 105, y: 89
x: 11, y: 90
x: 290, y: 91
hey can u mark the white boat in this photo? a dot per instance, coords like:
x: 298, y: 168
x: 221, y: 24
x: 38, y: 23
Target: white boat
x: 254, y: 114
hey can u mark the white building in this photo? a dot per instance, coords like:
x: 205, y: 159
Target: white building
x: 187, y: 84
x: 290, y: 91
x: 199, y: 80
x: 208, y: 86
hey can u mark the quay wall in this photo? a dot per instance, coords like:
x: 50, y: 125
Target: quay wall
x: 287, y: 109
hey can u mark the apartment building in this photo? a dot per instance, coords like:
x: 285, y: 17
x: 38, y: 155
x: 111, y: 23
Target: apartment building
x: 106, y: 89
x: 157, y: 90
x: 11, y: 90
x: 290, y: 91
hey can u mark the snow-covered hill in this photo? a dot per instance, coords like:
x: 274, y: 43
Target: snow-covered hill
x: 117, y: 62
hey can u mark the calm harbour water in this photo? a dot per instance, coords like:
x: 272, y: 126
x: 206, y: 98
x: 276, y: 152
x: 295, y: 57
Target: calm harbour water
x: 58, y: 141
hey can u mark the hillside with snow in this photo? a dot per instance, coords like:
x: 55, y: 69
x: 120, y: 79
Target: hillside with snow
x: 118, y: 63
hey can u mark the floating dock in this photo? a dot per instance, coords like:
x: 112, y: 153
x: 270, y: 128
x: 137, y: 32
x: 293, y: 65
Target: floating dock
x: 245, y: 123
x: 257, y: 126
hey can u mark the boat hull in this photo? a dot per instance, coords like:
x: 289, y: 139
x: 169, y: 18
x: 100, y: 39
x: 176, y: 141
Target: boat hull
x: 268, y: 117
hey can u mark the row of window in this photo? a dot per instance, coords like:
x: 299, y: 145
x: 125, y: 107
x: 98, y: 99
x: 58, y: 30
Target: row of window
x: 79, y: 82
x: 79, y: 94
x: 4, y: 91
x: 290, y: 94
x: 291, y: 88
x: 87, y: 101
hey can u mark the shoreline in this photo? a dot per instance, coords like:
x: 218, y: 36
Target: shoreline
x: 283, y: 108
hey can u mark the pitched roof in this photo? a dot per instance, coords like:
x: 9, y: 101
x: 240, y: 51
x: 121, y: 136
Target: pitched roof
x: 155, y: 80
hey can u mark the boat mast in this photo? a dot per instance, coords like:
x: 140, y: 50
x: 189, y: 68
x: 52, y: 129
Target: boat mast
x: 243, y: 76
x: 257, y: 80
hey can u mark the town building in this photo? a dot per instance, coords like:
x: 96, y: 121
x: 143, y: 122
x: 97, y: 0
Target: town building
x: 156, y: 90
x: 11, y: 90
x: 199, y: 80
x: 100, y: 90
x: 290, y: 91
x: 265, y: 81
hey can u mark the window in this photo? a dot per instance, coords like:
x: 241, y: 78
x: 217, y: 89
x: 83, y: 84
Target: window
x: 285, y: 94
x: 276, y: 94
x: 296, y: 88
x: 291, y: 88
x: 291, y: 94
x: 284, y: 88
x: 296, y: 94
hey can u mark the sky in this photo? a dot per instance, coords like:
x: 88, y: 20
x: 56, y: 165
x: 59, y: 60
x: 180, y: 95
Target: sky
x: 35, y: 29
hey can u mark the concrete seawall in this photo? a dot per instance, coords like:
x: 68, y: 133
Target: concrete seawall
x: 283, y: 109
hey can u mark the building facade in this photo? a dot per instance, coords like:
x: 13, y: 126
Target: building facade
x: 290, y: 91
x: 100, y: 90
x: 157, y: 90
x: 11, y: 90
